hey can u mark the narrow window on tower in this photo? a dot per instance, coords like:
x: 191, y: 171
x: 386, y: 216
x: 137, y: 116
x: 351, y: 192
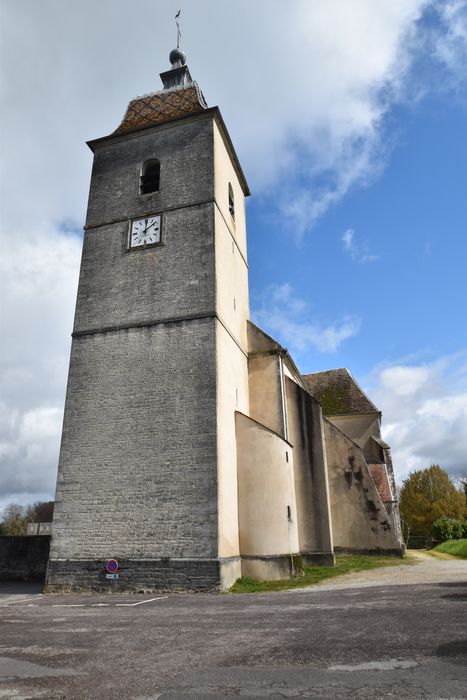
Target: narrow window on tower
x: 231, y: 202
x: 150, y: 176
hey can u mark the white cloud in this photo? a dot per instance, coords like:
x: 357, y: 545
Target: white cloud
x: 286, y: 317
x: 358, y: 251
x: 38, y: 277
x: 451, y: 44
x: 424, y: 413
x: 305, y: 99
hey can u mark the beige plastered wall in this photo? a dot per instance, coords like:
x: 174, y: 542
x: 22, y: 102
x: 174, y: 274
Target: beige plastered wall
x: 232, y: 307
x: 232, y: 302
x: 232, y: 395
x: 306, y: 433
x: 266, y: 489
x: 359, y: 518
x: 358, y: 427
x: 266, y: 405
x: 224, y: 172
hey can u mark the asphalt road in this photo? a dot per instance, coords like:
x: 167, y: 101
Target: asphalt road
x: 348, y: 639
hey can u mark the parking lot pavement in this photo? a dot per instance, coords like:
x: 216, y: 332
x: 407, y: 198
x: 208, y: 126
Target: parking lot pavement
x: 405, y: 641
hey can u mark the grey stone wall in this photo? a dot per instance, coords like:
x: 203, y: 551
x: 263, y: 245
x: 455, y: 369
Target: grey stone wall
x: 137, y: 476
x: 138, y: 465
x: 175, y: 279
x: 23, y: 557
x: 154, y: 575
x: 185, y: 150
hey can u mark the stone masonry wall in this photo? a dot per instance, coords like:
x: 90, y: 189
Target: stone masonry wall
x: 23, y: 557
x: 155, y: 575
x: 137, y: 472
x: 185, y: 149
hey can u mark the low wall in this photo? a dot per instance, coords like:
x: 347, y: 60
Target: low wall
x: 23, y: 557
x: 266, y: 494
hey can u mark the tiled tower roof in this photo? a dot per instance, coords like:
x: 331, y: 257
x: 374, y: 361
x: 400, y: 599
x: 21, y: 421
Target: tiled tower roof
x: 159, y: 106
x: 180, y: 97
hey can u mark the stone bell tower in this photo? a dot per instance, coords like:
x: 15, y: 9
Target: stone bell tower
x: 147, y: 469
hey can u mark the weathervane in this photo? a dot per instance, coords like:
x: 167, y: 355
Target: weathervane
x: 178, y: 28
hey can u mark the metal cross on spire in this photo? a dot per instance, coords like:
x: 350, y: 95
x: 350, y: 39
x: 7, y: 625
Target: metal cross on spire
x: 178, y: 28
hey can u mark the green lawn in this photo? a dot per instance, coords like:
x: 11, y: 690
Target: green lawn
x: 456, y: 548
x: 314, y: 574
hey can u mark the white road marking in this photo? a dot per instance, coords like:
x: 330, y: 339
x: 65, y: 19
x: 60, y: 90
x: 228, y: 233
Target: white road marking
x: 389, y: 665
x: 92, y: 605
x: 141, y: 602
x: 67, y: 605
x: 22, y: 600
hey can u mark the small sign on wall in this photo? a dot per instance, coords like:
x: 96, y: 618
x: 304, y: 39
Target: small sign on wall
x: 111, y: 567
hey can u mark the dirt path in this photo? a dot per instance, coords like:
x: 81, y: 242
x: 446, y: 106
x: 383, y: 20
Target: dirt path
x: 425, y: 569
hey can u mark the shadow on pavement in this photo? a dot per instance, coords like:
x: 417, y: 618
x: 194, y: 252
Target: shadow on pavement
x: 454, y: 652
x: 8, y: 588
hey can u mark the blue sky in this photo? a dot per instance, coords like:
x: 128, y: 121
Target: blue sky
x: 403, y: 273
x: 349, y: 118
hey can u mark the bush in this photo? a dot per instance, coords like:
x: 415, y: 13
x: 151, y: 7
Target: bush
x: 457, y: 530
x: 448, y: 529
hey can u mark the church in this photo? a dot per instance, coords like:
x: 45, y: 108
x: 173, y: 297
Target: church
x: 193, y: 450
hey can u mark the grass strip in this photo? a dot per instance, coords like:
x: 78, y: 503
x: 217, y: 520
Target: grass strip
x: 456, y: 548
x: 311, y: 575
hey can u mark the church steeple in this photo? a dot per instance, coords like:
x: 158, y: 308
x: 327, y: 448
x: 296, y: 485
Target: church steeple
x: 179, y: 74
x: 179, y: 97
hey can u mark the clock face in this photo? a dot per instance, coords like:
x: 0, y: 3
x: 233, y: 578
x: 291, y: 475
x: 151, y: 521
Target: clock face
x: 145, y: 231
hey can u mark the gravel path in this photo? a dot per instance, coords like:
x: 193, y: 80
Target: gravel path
x: 427, y: 569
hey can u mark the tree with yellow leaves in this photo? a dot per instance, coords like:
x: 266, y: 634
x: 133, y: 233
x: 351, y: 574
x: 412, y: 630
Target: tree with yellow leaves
x: 429, y: 494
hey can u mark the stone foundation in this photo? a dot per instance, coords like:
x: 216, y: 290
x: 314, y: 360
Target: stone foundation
x: 376, y: 552
x: 318, y: 559
x: 267, y: 568
x: 136, y: 575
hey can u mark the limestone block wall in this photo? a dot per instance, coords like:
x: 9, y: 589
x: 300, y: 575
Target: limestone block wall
x: 360, y: 522
x: 138, y: 465
x: 185, y: 150
x: 306, y: 433
x: 266, y: 496
x: 173, y: 280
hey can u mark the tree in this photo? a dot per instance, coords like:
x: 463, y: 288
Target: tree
x: 16, y: 517
x: 427, y: 495
x: 40, y: 512
x: 14, y: 520
x: 463, y: 485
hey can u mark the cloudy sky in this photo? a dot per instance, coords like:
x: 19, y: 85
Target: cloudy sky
x: 350, y: 119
